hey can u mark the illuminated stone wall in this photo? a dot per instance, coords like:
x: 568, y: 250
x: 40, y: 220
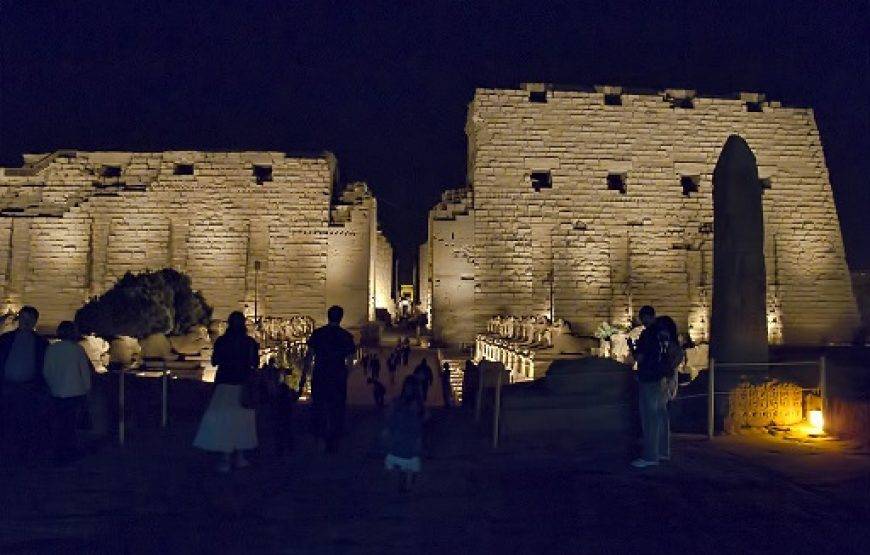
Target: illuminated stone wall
x: 70, y: 227
x: 425, y: 281
x: 541, y: 160
x: 451, y: 235
x: 351, y: 267
x: 384, y: 275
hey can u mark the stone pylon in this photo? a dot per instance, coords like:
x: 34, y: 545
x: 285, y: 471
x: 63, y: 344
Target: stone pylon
x: 738, y: 327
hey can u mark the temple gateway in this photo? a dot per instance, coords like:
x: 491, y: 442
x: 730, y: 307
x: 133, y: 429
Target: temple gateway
x: 257, y: 231
x: 583, y: 204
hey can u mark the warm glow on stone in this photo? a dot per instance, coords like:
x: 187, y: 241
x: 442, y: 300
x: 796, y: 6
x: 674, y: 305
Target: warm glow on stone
x: 817, y: 420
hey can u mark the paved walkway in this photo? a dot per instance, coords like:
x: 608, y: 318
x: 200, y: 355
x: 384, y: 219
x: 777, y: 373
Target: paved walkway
x: 359, y: 393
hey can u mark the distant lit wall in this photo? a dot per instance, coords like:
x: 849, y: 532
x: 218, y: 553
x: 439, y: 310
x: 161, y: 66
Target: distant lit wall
x: 351, y: 263
x: 384, y: 275
x: 451, y: 235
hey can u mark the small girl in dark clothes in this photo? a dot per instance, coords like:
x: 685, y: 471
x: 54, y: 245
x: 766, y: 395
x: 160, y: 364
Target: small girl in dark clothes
x: 405, y: 434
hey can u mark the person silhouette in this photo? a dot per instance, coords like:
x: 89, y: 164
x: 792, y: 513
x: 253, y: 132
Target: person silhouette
x: 227, y: 427
x: 423, y: 373
x: 326, y: 360
x: 22, y: 386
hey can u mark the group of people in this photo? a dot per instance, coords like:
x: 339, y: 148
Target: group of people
x: 44, y: 389
x: 658, y: 355
x: 229, y: 424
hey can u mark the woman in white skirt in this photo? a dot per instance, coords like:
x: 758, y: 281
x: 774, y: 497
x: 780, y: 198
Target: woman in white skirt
x: 404, y: 434
x: 227, y: 427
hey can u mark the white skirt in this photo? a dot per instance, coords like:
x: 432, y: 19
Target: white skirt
x: 393, y: 462
x: 226, y: 426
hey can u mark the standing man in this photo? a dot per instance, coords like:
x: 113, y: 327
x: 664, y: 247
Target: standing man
x: 328, y: 348
x: 652, y: 388
x: 423, y: 373
x: 22, y: 353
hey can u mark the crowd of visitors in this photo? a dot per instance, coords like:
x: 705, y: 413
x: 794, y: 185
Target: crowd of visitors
x: 45, y: 389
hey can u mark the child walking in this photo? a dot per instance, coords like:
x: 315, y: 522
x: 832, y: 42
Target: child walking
x: 405, y: 434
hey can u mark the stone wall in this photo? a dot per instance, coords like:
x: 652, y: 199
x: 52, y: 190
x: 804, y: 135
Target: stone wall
x: 384, y: 275
x: 451, y: 234
x: 72, y: 223
x: 425, y: 281
x: 351, y: 263
x: 547, y: 164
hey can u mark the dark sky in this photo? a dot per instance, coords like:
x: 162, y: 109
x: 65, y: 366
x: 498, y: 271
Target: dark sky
x: 386, y: 87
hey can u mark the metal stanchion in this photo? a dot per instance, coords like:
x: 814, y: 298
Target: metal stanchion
x: 121, y: 372
x: 496, y: 411
x: 711, y: 395
x: 164, y: 412
x: 478, y: 405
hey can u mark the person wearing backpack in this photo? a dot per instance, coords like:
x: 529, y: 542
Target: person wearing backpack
x: 652, y: 389
x: 669, y: 357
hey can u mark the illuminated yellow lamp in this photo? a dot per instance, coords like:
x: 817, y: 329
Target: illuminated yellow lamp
x: 817, y: 420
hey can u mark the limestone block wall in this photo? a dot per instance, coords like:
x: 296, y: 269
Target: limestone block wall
x: 384, y: 274
x: 547, y: 164
x: 424, y: 264
x: 72, y: 223
x: 451, y: 236
x: 351, y: 266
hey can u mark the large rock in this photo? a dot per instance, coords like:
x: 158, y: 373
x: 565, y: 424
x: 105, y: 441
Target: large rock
x: 591, y: 397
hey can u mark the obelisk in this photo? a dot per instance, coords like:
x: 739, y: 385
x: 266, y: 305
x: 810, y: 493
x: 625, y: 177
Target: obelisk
x: 738, y: 327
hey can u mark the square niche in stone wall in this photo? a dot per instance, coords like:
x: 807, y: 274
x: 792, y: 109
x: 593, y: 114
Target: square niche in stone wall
x: 616, y: 182
x: 541, y: 180
x: 110, y: 171
x: 689, y: 183
x: 183, y: 169
x: 612, y: 99
x: 262, y: 173
x: 539, y: 97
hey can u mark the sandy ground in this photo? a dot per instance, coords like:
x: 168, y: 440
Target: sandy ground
x: 159, y: 495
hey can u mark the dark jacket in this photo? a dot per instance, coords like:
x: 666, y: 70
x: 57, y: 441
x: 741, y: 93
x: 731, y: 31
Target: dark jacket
x: 647, y: 353
x: 236, y: 355
x: 6, y: 341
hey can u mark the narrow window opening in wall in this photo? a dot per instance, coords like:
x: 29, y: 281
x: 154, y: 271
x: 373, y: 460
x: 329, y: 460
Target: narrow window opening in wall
x: 612, y: 99
x: 689, y: 183
x: 754, y: 107
x: 262, y: 173
x: 541, y: 180
x: 110, y: 171
x: 183, y: 169
x: 616, y: 182
x: 452, y: 236
x: 538, y: 96
x: 686, y: 103
x: 765, y: 183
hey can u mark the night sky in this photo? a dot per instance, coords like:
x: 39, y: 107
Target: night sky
x: 386, y: 88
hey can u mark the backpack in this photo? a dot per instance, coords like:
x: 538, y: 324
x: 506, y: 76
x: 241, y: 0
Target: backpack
x: 670, y: 355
